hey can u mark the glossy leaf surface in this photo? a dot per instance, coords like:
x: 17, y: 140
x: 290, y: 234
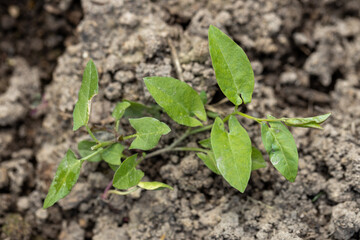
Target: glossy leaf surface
x: 127, y: 176
x: 148, y: 132
x: 119, y: 110
x: 65, y: 178
x: 257, y: 159
x: 179, y: 100
x: 153, y: 185
x: 88, y: 89
x: 280, y: 145
x: 232, y: 152
x: 113, y: 154
x: 232, y: 67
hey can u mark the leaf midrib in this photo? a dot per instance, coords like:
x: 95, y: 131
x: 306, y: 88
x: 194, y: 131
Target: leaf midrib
x: 232, y: 75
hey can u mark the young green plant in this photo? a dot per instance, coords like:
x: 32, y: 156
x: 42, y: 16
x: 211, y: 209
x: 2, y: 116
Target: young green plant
x: 228, y: 153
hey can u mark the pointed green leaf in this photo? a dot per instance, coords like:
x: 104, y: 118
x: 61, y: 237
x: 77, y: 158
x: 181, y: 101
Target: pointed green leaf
x: 65, y: 178
x: 209, y: 160
x: 232, y: 67
x: 127, y: 176
x: 119, y: 110
x: 280, y: 145
x: 205, y: 143
x: 310, y: 122
x: 137, y: 110
x: 232, y: 152
x: 178, y: 99
x: 88, y: 89
x: 113, y: 154
x: 148, y: 132
x: 154, y: 185
x: 84, y: 148
x: 257, y: 159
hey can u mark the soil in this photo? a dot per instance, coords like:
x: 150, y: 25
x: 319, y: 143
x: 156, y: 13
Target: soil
x: 306, y: 59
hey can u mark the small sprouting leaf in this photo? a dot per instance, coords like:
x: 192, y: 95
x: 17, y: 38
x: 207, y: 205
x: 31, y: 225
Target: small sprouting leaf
x: 154, y: 185
x: 84, y: 148
x: 148, y: 132
x: 119, y: 110
x: 209, y: 160
x: 127, y: 176
x: 205, y: 143
x: 178, y: 99
x: 257, y: 159
x: 232, y: 67
x: 113, y: 154
x: 88, y: 89
x: 281, y: 147
x: 310, y: 122
x: 137, y: 110
x: 232, y: 152
x: 203, y: 97
x: 65, y: 178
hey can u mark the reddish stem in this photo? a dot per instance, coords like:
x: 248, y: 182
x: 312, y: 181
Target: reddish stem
x: 105, y: 194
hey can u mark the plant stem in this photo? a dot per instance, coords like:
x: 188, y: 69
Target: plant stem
x: 259, y: 119
x: 103, y: 144
x: 117, y: 126
x: 180, y: 139
x: 189, y: 149
x: 202, y: 129
x: 107, y: 189
x: 130, y: 136
x: 91, y: 134
x: 122, y: 192
x: 91, y: 155
x: 168, y: 148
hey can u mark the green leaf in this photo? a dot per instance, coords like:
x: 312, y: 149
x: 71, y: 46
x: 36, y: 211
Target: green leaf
x: 178, y: 99
x: 280, y: 145
x: 203, y: 97
x: 119, y: 110
x: 65, y: 178
x: 209, y: 160
x: 232, y: 152
x: 113, y: 154
x: 154, y: 185
x: 310, y: 122
x: 148, y: 132
x: 232, y: 67
x: 205, y: 143
x: 257, y: 159
x: 127, y: 176
x: 88, y: 89
x: 137, y: 110
x: 84, y: 148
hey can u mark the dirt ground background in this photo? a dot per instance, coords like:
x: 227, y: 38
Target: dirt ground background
x: 306, y: 59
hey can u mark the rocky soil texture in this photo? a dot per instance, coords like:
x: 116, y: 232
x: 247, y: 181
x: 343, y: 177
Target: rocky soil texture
x: 306, y: 59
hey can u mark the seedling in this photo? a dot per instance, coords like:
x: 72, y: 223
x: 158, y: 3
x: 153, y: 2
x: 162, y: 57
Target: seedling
x: 226, y: 153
